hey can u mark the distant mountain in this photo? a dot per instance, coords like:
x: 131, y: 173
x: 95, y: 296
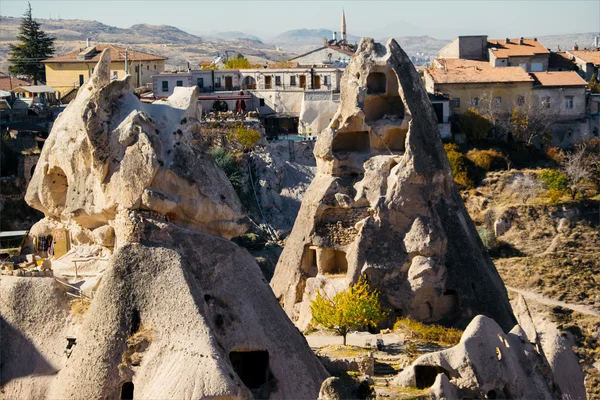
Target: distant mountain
x: 566, y: 42
x: 230, y: 35
x: 304, y: 36
x: 77, y: 29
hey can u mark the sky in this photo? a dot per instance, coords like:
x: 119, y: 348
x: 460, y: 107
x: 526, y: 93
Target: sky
x: 439, y: 19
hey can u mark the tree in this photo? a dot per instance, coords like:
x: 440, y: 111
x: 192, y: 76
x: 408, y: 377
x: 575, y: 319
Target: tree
x: 579, y: 166
x: 26, y: 57
x: 530, y: 121
x: 474, y: 125
x: 238, y: 62
x: 354, y: 308
x: 594, y: 84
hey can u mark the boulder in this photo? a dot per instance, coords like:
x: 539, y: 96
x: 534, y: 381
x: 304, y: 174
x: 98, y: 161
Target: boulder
x: 383, y: 203
x: 487, y: 363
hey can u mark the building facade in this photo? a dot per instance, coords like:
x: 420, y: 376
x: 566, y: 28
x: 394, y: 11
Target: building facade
x: 67, y: 73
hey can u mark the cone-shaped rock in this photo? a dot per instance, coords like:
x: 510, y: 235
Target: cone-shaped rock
x: 383, y: 203
x: 180, y: 311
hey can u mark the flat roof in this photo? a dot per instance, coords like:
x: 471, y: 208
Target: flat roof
x: 558, y: 78
x: 454, y: 70
x: 13, y: 233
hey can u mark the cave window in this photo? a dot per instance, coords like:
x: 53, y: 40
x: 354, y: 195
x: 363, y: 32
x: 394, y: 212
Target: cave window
x: 395, y: 139
x: 309, y: 261
x: 351, y: 142
x: 56, y: 182
x: 334, y: 262
x: 251, y: 366
x: 127, y: 391
x: 376, y: 83
x: 425, y: 375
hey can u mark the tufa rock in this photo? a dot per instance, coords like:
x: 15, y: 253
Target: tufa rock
x: 383, y: 203
x: 179, y: 311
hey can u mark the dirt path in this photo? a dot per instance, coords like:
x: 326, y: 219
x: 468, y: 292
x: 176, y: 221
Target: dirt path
x: 587, y: 310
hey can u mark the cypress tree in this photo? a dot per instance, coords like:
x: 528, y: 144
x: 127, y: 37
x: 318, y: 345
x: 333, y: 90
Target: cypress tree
x: 35, y: 45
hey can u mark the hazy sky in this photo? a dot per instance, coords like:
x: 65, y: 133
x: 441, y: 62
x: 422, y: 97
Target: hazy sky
x: 441, y: 19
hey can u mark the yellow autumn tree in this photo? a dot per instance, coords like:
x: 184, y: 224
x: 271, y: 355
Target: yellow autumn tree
x: 355, y: 308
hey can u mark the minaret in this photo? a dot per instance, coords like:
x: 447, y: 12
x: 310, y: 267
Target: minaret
x: 343, y: 27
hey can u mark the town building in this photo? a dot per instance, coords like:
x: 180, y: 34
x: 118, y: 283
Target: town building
x: 10, y: 83
x: 70, y: 71
x: 37, y: 94
x: 587, y: 61
x: 469, y: 82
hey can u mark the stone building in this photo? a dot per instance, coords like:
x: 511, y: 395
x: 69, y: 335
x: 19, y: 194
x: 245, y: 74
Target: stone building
x: 587, y: 61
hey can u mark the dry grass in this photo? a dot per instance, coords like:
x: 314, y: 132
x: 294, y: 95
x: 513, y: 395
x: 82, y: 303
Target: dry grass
x: 79, y: 308
x: 428, y: 333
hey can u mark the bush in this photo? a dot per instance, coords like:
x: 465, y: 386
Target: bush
x: 246, y: 137
x: 429, y: 333
x: 230, y: 166
x: 488, y: 160
x: 555, y: 181
x: 474, y: 125
x: 462, y: 168
x: 487, y: 237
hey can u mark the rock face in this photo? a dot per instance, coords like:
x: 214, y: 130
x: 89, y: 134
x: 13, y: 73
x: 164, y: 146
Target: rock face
x: 180, y: 312
x: 383, y: 203
x: 487, y: 363
x: 110, y: 153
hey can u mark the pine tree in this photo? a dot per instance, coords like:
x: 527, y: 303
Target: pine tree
x: 35, y: 45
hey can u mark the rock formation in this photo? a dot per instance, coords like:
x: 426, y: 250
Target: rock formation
x: 487, y: 363
x: 383, y: 203
x: 180, y: 312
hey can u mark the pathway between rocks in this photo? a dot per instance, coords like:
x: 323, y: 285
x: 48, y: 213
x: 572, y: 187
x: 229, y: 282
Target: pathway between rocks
x: 587, y: 310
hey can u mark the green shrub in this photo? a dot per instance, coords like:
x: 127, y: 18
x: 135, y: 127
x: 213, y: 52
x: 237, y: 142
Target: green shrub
x: 474, y: 125
x: 429, y: 333
x: 488, y: 160
x: 462, y: 168
x: 555, y: 180
x: 487, y: 237
x: 246, y: 137
x: 230, y: 166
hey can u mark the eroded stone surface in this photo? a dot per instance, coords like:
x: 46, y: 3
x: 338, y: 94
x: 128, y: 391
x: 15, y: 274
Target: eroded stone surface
x: 383, y: 203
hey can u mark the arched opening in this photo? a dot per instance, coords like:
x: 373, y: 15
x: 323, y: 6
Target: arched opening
x: 249, y: 83
x: 448, y: 303
x: 425, y: 375
x: 127, y: 391
x: 220, y: 106
x: 351, y: 142
x: 376, y: 83
x: 55, y: 182
x: 251, y: 366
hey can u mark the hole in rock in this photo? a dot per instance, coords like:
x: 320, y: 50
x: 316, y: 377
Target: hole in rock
x: 127, y: 391
x: 376, y: 83
x: 207, y: 297
x: 351, y: 142
x: 376, y: 107
x: 334, y: 262
x: 395, y: 139
x: 135, y: 321
x: 251, y: 366
x: 309, y: 261
x: 425, y: 375
x: 449, y: 302
x: 491, y: 394
x: 56, y: 183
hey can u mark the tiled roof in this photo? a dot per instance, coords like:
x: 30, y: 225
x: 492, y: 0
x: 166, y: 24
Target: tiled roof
x: 589, y: 56
x: 93, y: 53
x: 529, y: 47
x: 558, y: 78
x: 5, y: 82
x: 455, y: 70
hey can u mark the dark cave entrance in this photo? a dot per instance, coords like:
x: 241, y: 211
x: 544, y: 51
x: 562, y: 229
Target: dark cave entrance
x: 425, y: 375
x: 127, y: 391
x: 251, y: 366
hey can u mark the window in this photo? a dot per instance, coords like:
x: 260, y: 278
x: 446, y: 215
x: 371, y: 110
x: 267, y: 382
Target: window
x: 569, y: 101
x: 165, y: 86
x: 147, y: 68
x: 92, y: 70
x: 154, y: 66
x: 115, y: 74
x: 277, y: 80
x: 455, y: 103
x: 546, y: 102
x: 498, y: 101
x: 137, y: 69
x: 179, y: 83
x: 218, y: 82
x: 537, y: 67
x: 293, y: 80
x: 81, y: 80
x: 475, y: 101
x: 200, y: 82
x: 261, y: 102
x: 520, y: 100
x: 326, y: 80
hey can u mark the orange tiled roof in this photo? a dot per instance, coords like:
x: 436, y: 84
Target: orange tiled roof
x: 456, y: 70
x: 589, y: 56
x: 529, y: 47
x: 116, y: 54
x: 5, y: 82
x: 558, y: 78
